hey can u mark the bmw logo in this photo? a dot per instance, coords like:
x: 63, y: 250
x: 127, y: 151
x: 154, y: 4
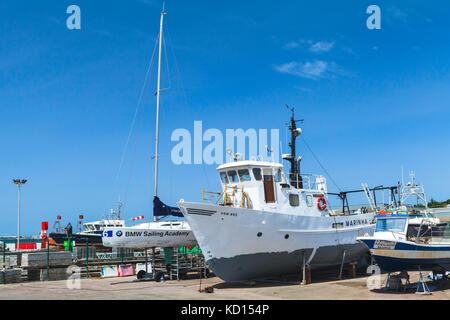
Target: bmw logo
x: 119, y: 233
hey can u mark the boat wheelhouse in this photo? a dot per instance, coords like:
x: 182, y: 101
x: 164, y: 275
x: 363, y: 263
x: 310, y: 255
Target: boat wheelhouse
x: 262, y: 185
x: 100, y: 225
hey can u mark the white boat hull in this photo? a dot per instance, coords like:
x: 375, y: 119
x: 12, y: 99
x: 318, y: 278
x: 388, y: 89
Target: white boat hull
x: 148, y: 237
x: 242, y: 244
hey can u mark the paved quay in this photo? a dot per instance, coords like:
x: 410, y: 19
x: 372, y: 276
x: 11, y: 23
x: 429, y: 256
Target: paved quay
x: 322, y: 288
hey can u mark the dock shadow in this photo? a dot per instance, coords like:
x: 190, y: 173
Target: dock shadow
x: 317, y: 276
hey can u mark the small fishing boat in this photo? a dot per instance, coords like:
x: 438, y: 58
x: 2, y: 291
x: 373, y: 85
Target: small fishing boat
x: 407, y: 239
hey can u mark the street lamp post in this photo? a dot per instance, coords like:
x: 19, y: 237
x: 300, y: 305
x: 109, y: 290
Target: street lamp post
x: 19, y: 183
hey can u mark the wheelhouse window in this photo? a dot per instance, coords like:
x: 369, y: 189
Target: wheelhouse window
x: 278, y: 175
x: 257, y: 174
x: 294, y: 200
x: 232, y: 175
x: 223, y: 177
x: 309, y: 201
x: 244, y: 175
x: 394, y: 224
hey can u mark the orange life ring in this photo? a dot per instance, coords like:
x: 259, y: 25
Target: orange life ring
x: 321, y: 203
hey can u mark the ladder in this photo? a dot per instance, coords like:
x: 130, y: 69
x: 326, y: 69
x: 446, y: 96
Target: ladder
x: 175, y: 265
x: 369, y: 196
x: 230, y: 196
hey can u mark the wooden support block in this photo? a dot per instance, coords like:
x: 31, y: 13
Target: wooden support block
x: 352, y: 269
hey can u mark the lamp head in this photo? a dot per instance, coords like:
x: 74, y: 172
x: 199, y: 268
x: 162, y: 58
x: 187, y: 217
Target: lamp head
x: 19, y: 182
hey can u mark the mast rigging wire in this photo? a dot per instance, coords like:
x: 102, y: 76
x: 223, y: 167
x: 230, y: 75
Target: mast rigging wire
x: 320, y: 164
x: 140, y: 103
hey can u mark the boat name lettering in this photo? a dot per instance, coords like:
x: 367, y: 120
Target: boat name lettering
x: 232, y: 214
x: 384, y: 244
x: 350, y: 223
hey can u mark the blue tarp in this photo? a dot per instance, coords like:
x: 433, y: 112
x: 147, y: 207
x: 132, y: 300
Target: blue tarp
x: 160, y: 209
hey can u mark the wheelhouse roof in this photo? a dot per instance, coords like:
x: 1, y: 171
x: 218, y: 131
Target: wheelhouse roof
x: 249, y: 163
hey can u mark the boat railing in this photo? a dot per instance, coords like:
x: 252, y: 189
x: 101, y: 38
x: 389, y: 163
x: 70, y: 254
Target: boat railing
x: 308, y: 181
x: 232, y: 196
x: 209, y: 196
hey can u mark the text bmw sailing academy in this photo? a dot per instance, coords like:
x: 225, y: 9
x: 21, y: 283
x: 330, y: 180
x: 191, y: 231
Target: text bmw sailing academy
x: 155, y: 233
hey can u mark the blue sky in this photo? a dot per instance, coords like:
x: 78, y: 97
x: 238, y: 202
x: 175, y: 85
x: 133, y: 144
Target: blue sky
x: 372, y: 100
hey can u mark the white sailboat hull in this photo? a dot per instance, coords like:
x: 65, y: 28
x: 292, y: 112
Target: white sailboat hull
x: 242, y: 244
x: 148, y: 235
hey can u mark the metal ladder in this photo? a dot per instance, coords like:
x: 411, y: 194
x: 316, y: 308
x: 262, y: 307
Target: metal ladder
x: 175, y: 265
x: 369, y: 196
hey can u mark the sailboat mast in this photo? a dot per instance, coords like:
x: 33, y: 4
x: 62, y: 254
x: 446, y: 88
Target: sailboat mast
x: 157, y: 102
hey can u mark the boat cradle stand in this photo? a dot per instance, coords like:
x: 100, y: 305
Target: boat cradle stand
x: 422, y: 287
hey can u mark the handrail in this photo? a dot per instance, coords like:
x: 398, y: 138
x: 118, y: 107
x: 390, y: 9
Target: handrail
x: 211, y: 193
x: 309, y: 180
x: 225, y: 194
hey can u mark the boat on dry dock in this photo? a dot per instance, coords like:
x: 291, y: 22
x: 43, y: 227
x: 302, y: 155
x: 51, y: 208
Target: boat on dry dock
x: 408, y: 239
x: 160, y: 232
x: 90, y: 232
x: 267, y: 223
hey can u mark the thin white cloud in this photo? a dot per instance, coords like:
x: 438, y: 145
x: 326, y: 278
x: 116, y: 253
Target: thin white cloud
x: 321, y: 46
x: 405, y: 15
x: 302, y: 89
x: 310, y: 70
x: 397, y: 14
x: 316, y: 47
x: 291, y: 45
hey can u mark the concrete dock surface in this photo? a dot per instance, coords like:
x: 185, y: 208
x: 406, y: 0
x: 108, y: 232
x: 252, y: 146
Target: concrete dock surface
x: 324, y: 287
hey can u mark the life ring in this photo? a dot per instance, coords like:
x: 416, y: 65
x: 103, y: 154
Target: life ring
x: 321, y: 203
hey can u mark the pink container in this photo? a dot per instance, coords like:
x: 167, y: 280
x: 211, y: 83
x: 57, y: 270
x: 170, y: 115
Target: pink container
x: 126, y: 270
